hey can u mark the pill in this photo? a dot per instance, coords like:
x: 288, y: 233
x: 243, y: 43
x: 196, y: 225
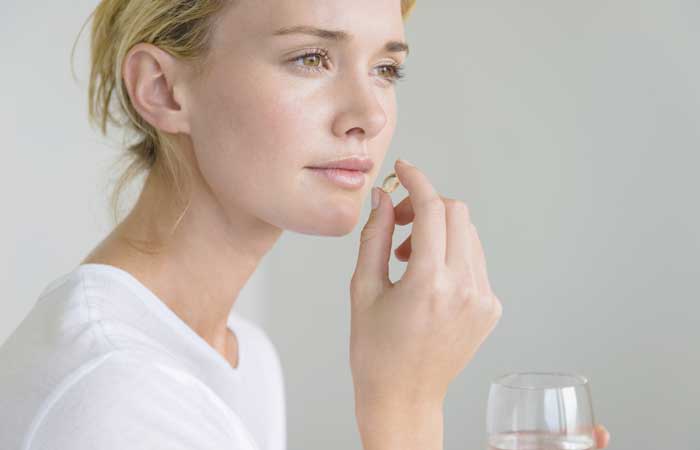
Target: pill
x: 390, y: 183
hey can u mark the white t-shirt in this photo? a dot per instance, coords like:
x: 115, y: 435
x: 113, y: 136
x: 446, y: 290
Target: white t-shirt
x: 101, y: 363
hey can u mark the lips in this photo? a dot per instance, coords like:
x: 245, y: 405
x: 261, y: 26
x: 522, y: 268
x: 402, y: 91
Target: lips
x: 350, y: 179
x: 355, y: 163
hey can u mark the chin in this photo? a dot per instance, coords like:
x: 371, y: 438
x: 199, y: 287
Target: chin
x: 330, y: 222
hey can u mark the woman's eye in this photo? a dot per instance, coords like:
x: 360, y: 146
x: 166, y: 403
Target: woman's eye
x: 311, y: 57
x: 394, y: 72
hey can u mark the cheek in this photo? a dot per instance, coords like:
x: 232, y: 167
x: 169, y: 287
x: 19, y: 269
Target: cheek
x: 252, y: 140
x: 259, y: 118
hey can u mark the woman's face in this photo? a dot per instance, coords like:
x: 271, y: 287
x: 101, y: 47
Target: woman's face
x: 263, y: 113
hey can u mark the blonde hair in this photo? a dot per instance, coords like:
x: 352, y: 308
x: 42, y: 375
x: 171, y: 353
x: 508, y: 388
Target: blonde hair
x: 181, y: 28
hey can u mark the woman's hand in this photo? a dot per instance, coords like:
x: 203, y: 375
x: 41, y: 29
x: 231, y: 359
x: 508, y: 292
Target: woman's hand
x: 410, y: 338
x: 404, y: 214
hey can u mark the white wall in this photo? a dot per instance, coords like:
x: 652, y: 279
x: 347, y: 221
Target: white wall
x: 571, y: 130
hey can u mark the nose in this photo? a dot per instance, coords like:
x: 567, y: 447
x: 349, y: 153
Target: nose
x: 361, y: 105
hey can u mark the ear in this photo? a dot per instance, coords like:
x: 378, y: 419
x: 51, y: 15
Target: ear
x: 152, y: 78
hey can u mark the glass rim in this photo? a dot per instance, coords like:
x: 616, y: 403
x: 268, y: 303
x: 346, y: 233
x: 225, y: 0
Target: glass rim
x: 576, y: 380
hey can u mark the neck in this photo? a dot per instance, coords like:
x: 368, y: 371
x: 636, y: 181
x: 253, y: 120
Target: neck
x: 201, y: 267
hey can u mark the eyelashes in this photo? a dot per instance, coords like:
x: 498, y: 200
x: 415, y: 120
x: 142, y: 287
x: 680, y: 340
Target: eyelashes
x: 396, y: 70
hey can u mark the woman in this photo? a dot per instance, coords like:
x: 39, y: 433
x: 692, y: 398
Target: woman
x: 236, y: 105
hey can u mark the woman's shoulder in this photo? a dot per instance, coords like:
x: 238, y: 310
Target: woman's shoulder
x: 92, y: 356
x: 134, y: 399
x: 66, y: 340
x: 70, y: 322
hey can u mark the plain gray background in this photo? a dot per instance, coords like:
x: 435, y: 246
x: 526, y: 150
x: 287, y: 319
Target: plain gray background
x: 569, y: 127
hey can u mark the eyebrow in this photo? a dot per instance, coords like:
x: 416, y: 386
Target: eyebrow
x: 337, y: 36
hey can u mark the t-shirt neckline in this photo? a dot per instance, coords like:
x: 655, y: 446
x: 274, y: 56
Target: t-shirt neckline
x: 153, y: 302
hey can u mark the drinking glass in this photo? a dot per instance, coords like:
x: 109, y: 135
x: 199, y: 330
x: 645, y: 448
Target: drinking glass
x: 540, y: 411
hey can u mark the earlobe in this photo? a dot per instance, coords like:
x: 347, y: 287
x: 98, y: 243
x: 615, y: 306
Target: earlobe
x: 149, y: 74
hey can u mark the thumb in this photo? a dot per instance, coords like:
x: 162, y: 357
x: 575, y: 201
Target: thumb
x: 371, y: 275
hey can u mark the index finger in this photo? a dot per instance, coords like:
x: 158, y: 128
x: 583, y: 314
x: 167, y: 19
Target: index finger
x: 403, y: 211
x: 429, y: 228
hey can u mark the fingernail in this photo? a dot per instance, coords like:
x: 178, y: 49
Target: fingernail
x: 403, y: 161
x: 375, y: 197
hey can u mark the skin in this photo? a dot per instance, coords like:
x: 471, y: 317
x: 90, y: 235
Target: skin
x: 249, y: 128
